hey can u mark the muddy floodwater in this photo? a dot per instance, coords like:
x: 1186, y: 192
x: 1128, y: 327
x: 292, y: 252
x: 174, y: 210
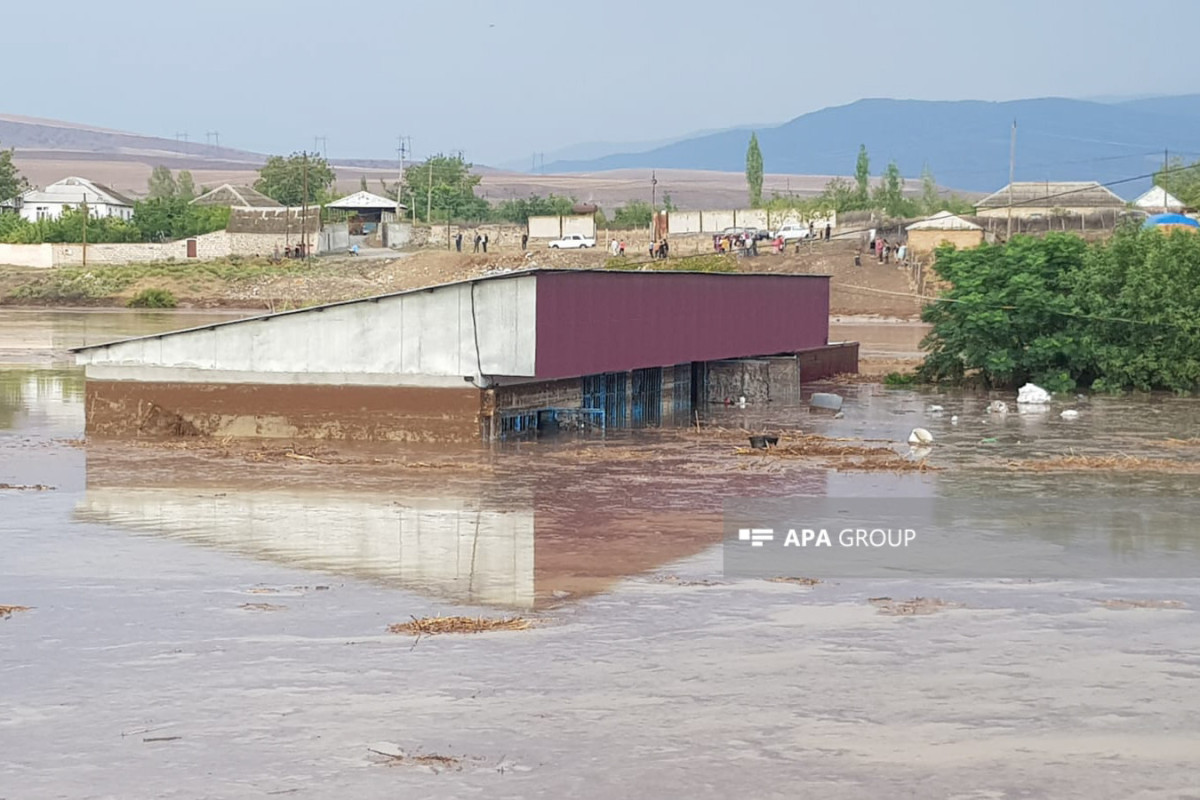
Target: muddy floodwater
x: 210, y: 619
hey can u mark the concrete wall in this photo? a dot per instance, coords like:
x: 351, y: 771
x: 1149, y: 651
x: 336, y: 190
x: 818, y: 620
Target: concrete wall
x: 691, y: 222
x: 397, y: 234
x: 334, y: 238
x: 926, y: 241
x: 558, y: 227
x: 679, y: 222
x: 427, y: 338
x: 40, y: 256
x: 545, y: 227
x: 499, y: 235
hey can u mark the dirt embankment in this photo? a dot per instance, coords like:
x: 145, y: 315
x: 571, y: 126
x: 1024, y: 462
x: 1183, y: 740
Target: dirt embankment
x: 870, y: 289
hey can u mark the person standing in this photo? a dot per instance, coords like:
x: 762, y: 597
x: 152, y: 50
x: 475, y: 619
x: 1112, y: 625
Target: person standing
x: 458, y: 241
x: 828, y: 230
x: 612, y: 247
x: 524, y: 241
x: 485, y: 241
x: 478, y: 239
x: 621, y: 248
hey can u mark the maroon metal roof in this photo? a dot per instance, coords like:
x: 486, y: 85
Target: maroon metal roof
x: 592, y: 321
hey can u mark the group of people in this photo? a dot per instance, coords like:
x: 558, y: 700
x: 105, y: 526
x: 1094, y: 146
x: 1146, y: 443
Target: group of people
x: 744, y: 243
x: 617, y: 247
x: 292, y: 251
x: 481, y: 242
x: 884, y: 251
x: 659, y: 249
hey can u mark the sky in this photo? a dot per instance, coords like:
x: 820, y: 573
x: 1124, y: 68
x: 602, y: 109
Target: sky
x: 505, y: 79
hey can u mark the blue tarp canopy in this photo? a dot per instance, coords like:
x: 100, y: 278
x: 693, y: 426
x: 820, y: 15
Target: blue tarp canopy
x: 1160, y: 220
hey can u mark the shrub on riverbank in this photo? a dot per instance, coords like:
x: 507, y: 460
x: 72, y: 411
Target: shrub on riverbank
x: 1062, y: 313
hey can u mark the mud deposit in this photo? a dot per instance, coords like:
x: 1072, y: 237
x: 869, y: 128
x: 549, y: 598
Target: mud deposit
x: 211, y: 618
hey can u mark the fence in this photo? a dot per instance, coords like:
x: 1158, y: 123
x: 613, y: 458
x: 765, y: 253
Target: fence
x: 715, y: 221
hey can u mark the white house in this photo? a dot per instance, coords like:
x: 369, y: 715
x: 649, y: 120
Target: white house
x: 48, y: 203
x: 1159, y: 201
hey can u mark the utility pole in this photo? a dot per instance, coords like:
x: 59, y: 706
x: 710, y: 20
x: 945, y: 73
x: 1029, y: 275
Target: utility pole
x: 1012, y: 166
x: 212, y: 138
x: 84, y: 206
x: 184, y: 138
x: 429, y: 194
x: 1166, y: 181
x: 304, y: 210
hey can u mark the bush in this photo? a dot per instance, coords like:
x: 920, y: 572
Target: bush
x: 713, y: 262
x: 153, y: 298
x: 1061, y: 313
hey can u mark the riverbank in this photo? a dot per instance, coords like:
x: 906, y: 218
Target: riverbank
x: 879, y: 290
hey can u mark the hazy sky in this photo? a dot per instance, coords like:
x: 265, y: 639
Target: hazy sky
x: 501, y: 80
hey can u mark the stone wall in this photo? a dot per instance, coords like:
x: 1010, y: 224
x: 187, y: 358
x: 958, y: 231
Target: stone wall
x: 40, y: 256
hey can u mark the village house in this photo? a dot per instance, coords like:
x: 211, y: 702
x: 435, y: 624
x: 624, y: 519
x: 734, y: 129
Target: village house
x: 1159, y: 201
x: 1036, y: 199
x: 230, y: 196
x: 49, y: 203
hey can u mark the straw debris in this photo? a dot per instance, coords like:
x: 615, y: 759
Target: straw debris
x: 813, y: 445
x: 895, y: 463
x: 1112, y: 463
x: 795, y: 581
x: 917, y: 606
x: 262, y: 607
x: 27, y: 487
x: 434, y: 761
x: 428, y: 626
x: 8, y: 611
x: 1124, y: 605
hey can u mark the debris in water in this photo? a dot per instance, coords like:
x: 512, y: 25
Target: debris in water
x: 840, y: 415
x: 920, y: 436
x: 917, y: 606
x: 675, y: 580
x: 893, y: 464
x: 796, y: 581
x: 1125, y: 605
x: 8, y: 611
x: 954, y: 419
x: 997, y: 407
x: 1070, y: 413
x: 813, y: 445
x: 936, y: 409
x: 428, y: 626
x: 1033, y: 395
x: 261, y: 607
x: 438, y: 763
x: 24, y: 487
x: 989, y: 440
x: 1106, y: 463
x: 742, y: 401
x: 826, y: 400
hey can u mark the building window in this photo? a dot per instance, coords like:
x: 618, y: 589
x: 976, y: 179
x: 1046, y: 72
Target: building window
x: 43, y: 212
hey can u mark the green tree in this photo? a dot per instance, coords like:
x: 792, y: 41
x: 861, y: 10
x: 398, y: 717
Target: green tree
x: 669, y: 203
x: 12, y: 182
x: 161, y: 184
x: 1061, y: 313
x: 362, y: 183
x: 186, y: 187
x: 443, y: 187
x: 862, y: 177
x: 754, y: 171
x: 634, y: 214
x: 519, y: 210
x: 1182, y: 180
x: 930, y: 197
x: 840, y: 195
x: 284, y: 179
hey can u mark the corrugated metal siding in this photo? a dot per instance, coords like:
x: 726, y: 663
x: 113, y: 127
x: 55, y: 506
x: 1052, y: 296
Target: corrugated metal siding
x: 597, y: 322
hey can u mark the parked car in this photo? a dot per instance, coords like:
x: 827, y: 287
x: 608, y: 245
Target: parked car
x: 734, y: 232
x: 792, y: 232
x: 573, y: 241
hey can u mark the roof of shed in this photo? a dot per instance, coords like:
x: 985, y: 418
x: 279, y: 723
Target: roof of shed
x: 1063, y: 194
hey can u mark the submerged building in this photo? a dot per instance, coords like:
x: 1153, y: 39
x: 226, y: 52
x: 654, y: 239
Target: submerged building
x: 479, y: 359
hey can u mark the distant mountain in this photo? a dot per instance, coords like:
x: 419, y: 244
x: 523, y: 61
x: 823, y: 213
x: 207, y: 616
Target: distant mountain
x: 965, y: 143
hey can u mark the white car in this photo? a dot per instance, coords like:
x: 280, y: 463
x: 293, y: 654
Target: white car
x: 573, y: 242
x: 792, y: 232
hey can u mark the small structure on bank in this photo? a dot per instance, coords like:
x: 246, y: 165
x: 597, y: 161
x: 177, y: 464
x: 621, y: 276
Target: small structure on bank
x: 366, y: 211
x: 479, y: 359
x: 943, y: 228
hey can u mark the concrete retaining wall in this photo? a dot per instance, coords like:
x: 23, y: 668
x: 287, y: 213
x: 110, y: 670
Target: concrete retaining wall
x: 40, y: 256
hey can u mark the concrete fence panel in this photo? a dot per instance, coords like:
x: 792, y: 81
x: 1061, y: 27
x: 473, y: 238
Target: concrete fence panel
x: 680, y: 222
x: 583, y: 224
x: 545, y: 227
x: 40, y: 256
x: 717, y: 221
